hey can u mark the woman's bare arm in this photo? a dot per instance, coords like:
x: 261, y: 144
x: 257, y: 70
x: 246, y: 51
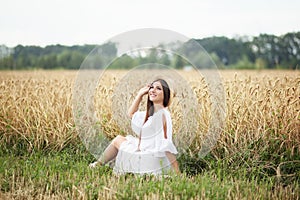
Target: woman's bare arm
x: 135, y: 104
x: 172, y: 159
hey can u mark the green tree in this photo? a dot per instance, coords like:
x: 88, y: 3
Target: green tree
x: 260, y: 63
x: 165, y: 60
x: 178, y: 62
x: 229, y: 51
x: 7, y: 62
x: 152, y: 55
x: 123, y: 62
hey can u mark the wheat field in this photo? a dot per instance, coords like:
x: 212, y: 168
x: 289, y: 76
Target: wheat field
x: 36, y: 107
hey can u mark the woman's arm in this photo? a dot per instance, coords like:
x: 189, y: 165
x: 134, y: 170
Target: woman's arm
x: 135, y: 105
x: 172, y: 159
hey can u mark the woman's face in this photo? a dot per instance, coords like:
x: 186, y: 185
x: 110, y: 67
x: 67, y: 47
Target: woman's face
x: 156, y: 93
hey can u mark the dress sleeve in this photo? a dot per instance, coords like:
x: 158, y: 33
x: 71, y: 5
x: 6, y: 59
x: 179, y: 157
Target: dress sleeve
x: 137, y: 121
x: 162, y: 143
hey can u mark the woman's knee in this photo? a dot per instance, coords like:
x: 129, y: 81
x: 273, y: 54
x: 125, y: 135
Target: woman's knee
x: 118, y: 140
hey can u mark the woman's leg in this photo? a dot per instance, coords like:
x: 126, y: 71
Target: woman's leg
x: 110, y: 152
x: 117, y: 141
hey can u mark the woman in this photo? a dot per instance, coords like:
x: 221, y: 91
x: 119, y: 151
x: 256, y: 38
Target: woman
x: 153, y: 151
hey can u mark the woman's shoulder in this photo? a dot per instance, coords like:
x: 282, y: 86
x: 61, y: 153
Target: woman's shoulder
x: 163, y: 112
x: 166, y: 111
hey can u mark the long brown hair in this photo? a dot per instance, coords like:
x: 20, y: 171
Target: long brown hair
x: 167, y: 94
x: 150, y: 107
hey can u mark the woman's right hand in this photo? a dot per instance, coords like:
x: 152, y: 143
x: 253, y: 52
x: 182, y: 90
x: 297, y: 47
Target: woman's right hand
x: 135, y: 105
x: 144, y: 90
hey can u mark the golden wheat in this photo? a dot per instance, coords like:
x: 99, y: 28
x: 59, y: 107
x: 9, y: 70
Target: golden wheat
x: 36, y: 108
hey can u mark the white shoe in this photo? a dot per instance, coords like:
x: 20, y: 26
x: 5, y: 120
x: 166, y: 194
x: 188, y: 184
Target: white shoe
x: 93, y: 165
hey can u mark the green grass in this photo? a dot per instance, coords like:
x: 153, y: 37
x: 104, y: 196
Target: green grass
x: 65, y: 175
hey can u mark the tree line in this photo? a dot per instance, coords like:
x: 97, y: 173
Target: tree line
x: 261, y: 52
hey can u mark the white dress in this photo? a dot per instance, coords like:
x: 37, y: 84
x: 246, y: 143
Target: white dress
x: 151, y: 159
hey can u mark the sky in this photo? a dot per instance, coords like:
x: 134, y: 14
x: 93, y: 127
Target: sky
x: 71, y: 22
